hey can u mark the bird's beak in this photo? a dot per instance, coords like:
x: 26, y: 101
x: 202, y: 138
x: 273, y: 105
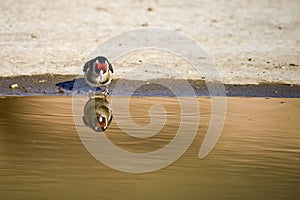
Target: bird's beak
x: 101, y: 75
x: 102, y: 122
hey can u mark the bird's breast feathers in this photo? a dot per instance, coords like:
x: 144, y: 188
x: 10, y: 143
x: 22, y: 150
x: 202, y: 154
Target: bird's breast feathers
x: 94, y: 79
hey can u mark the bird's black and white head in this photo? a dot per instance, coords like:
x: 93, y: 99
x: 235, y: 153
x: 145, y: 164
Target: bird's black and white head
x: 101, y: 67
x: 97, y: 114
x: 102, y: 122
x: 98, y: 71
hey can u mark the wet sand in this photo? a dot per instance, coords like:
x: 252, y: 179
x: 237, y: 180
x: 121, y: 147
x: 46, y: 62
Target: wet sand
x: 256, y: 157
x: 62, y: 85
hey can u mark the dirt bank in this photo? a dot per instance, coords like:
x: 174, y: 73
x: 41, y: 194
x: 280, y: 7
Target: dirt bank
x: 53, y: 85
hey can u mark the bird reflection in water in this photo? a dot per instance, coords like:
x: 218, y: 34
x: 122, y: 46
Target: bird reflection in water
x: 97, y: 114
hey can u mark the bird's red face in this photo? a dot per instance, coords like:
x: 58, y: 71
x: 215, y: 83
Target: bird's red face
x: 102, y: 66
x: 102, y: 122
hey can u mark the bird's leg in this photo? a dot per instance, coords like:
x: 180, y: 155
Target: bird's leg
x: 91, y: 94
x: 105, y: 91
x: 98, y: 92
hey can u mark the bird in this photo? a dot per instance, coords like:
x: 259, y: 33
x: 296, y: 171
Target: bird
x: 98, y: 72
x: 97, y: 114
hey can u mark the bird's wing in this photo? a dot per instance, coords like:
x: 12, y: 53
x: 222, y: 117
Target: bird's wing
x: 86, y: 66
x: 111, y: 68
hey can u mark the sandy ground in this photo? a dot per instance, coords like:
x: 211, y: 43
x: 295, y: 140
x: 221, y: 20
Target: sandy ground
x: 250, y: 41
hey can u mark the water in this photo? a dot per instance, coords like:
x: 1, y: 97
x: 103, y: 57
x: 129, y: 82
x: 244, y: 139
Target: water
x: 256, y: 157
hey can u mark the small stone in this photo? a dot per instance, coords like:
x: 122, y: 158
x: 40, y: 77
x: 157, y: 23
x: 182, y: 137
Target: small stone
x: 25, y: 89
x: 33, y: 36
x: 14, y: 86
x: 276, y: 92
x: 42, y: 81
x: 150, y: 9
x: 145, y: 24
x: 100, y: 8
x: 60, y: 90
x: 197, y: 87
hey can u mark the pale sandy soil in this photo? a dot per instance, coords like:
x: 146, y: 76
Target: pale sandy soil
x: 250, y: 41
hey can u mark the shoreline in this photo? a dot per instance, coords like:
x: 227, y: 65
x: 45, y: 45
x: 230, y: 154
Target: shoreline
x: 62, y: 85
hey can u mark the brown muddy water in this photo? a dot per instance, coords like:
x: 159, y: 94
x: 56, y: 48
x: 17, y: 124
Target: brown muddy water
x: 257, y: 155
